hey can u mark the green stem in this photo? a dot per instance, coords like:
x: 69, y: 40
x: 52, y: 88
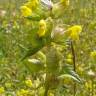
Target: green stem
x: 73, y: 54
x: 74, y: 64
x: 92, y: 92
x: 46, y: 91
x: 46, y: 85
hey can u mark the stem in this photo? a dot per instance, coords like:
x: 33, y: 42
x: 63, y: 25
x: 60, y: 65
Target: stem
x: 73, y: 54
x: 74, y: 64
x: 93, y: 9
x: 46, y: 85
x: 46, y: 91
x: 92, y: 92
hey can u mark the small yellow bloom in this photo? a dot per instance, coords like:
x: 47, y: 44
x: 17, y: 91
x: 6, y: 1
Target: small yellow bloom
x: 69, y: 56
x: 25, y: 11
x: 50, y: 94
x: 65, y: 2
x: 28, y: 83
x: 2, y: 90
x: 69, y: 60
x: 88, y: 85
x: 93, y: 54
x: 80, y: 70
x: 22, y: 92
x: 32, y: 4
x: 42, y: 28
x: 74, y: 32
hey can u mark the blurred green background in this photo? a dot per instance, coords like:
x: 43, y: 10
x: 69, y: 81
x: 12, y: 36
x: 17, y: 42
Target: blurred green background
x: 14, y: 32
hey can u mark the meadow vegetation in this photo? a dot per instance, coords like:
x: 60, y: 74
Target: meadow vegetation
x: 47, y: 48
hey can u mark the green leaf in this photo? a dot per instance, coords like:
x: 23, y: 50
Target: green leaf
x: 34, y: 65
x: 66, y: 69
x: 34, y: 18
x: 69, y: 76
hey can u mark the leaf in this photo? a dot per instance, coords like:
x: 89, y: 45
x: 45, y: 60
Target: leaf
x: 34, y: 65
x: 34, y: 18
x: 31, y: 52
x: 66, y: 69
x: 41, y: 56
x: 36, y: 44
x: 69, y: 76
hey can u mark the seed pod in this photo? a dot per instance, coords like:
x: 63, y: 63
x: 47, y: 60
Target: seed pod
x: 52, y: 60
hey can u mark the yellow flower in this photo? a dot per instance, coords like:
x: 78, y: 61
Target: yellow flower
x: 22, y: 92
x: 32, y: 4
x: 80, y: 70
x: 74, y: 32
x: 69, y: 56
x: 2, y: 90
x: 69, y: 60
x: 25, y: 11
x: 93, y: 54
x: 65, y: 2
x: 28, y: 83
x: 50, y: 94
x: 42, y: 23
x: 88, y: 85
x: 42, y: 28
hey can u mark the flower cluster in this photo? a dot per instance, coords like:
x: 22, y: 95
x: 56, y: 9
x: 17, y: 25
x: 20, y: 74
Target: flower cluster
x: 93, y: 54
x: 29, y: 7
x: 65, y: 2
x: 22, y: 92
x: 74, y: 32
x: 2, y: 90
x: 26, y: 11
x: 28, y: 83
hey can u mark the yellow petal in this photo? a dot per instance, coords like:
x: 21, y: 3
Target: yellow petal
x: 25, y: 11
